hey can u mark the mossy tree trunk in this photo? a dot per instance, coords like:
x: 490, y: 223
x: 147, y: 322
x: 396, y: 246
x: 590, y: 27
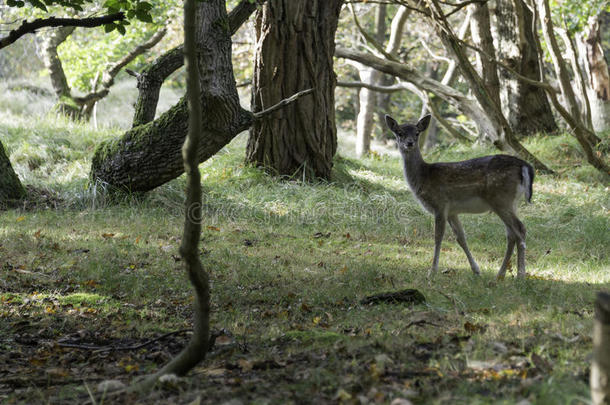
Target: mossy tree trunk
x: 295, y: 47
x: 11, y: 189
x: 150, y: 155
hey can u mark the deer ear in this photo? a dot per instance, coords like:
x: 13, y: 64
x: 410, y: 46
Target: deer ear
x: 391, y: 123
x: 422, y: 124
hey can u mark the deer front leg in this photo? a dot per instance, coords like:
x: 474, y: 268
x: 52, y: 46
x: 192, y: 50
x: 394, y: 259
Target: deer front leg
x: 461, y: 239
x: 439, y: 231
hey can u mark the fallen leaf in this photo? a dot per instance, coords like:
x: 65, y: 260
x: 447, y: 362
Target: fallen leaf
x: 213, y: 228
x: 19, y: 219
x: 107, y: 235
x: 245, y: 365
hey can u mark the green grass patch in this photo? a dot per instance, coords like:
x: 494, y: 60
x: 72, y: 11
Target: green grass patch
x: 289, y: 263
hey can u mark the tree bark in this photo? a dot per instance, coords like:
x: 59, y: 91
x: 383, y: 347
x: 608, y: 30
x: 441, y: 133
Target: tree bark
x: 295, y: 47
x: 525, y: 106
x: 150, y: 155
x: 481, y: 36
x: 152, y: 77
x: 596, y: 69
x: 600, y: 369
x: 11, y: 189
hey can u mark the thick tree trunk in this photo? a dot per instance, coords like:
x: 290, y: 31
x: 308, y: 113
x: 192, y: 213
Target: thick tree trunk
x: 11, y: 189
x: 596, y: 69
x: 600, y: 369
x: 150, y: 155
x: 295, y: 47
x: 525, y: 106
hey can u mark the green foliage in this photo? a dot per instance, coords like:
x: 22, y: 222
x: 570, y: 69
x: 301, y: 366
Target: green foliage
x: 573, y: 14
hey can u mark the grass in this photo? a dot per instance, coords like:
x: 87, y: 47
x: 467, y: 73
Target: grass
x: 289, y: 263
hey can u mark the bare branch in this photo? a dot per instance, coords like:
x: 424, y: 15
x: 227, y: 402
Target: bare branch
x: 261, y: 114
x: 31, y: 27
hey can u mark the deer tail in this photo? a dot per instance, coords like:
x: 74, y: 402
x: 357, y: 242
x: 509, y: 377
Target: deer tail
x: 527, y: 180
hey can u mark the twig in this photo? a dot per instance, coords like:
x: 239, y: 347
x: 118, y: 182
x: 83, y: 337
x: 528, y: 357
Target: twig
x: 98, y: 349
x: 261, y: 114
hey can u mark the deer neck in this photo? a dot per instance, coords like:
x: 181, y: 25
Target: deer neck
x: 413, y: 167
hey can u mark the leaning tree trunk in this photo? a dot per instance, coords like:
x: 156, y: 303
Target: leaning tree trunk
x: 597, y: 78
x: 10, y: 186
x: 525, y: 106
x: 150, y: 155
x: 295, y: 47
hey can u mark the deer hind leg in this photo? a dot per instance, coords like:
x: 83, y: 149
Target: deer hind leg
x: 510, y: 246
x: 439, y: 232
x: 461, y: 239
x: 516, y: 227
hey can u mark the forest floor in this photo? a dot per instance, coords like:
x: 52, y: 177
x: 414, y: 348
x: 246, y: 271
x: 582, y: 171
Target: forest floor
x: 86, y: 286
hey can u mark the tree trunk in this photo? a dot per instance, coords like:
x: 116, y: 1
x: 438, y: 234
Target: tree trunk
x: 525, y: 106
x: 481, y: 36
x: 295, y: 47
x: 596, y: 72
x: 396, y: 34
x: 65, y: 104
x: 152, y: 77
x: 11, y: 189
x: 367, y: 97
x: 499, y: 131
x: 600, y: 369
x: 150, y: 155
x: 585, y: 137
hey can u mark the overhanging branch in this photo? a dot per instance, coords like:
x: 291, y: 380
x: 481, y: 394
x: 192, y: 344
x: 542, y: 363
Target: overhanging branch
x: 29, y: 27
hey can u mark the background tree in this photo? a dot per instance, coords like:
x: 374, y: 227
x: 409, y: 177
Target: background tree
x: 525, y: 106
x: 295, y: 47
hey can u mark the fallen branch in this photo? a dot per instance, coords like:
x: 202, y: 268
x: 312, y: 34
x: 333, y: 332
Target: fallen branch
x: 409, y: 295
x: 99, y: 349
x: 30, y: 27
